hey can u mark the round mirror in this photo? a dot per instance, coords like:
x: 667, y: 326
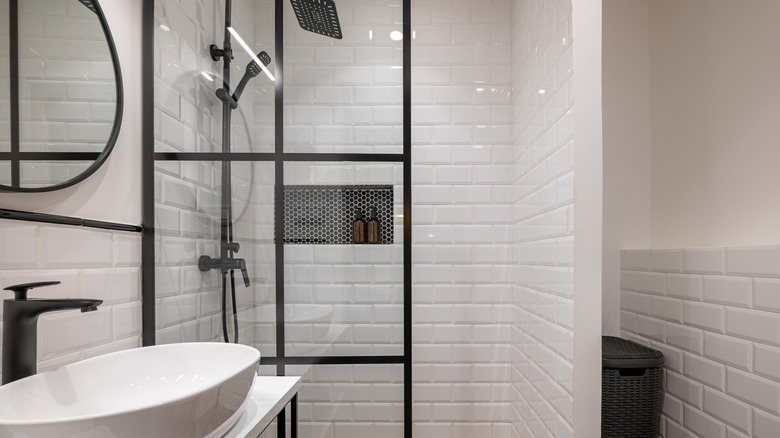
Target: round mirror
x: 60, y: 93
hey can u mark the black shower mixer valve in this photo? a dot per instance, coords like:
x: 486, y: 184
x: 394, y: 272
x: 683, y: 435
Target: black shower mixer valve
x: 206, y: 263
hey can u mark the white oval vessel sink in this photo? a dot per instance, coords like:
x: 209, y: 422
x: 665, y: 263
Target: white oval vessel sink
x: 177, y: 390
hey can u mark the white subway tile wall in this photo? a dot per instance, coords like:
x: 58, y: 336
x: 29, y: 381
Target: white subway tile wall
x: 713, y: 314
x: 462, y: 217
x: 345, y: 95
x: 89, y: 264
x: 543, y: 205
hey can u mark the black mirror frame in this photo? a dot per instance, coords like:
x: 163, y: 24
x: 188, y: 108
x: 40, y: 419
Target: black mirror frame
x: 114, y: 130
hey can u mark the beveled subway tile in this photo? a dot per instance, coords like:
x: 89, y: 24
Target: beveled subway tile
x: 757, y: 325
x: 638, y: 260
x: 666, y: 260
x: 20, y: 245
x: 734, y: 291
x: 63, y: 247
x: 753, y: 261
x: 766, y: 294
x: 704, y: 260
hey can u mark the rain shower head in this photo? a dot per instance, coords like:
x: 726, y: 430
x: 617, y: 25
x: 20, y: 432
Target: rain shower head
x: 318, y: 16
x: 252, y: 70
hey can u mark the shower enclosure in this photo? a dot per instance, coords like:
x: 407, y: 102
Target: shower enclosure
x: 252, y: 181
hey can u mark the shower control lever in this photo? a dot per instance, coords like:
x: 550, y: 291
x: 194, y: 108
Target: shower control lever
x: 206, y: 263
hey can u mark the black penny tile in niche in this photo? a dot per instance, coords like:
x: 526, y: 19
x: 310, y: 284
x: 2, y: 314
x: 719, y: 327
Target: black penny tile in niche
x: 323, y: 215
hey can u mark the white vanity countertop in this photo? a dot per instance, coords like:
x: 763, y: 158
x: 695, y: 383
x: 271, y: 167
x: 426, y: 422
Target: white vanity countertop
x: 268, y: 397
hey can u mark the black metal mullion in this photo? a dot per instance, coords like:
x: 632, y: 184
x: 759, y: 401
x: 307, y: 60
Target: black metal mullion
x: 148, y: 267
x: 332, y: 360
x: 407, y: 176
x: 384, y: 158
x: 294, y: 416
x: 214, y: 156
x: 279, y: 189
x: 279, y: 198
x: 13, y: 30
x: 273, y: 156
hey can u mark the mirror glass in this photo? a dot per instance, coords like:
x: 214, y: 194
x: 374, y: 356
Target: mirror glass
x: 60, y: 93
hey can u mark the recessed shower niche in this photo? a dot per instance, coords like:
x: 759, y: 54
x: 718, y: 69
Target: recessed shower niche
x: 323, y: 214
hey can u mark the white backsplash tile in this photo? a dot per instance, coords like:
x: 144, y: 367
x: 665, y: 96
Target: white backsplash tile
x: 82, y: 260
x: 75, y: 248
x: 20, y: 245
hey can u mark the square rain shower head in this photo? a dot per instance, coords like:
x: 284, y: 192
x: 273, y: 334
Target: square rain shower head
x: 318, y: 16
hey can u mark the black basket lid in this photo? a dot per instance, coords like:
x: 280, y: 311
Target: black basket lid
x: 622, y: 353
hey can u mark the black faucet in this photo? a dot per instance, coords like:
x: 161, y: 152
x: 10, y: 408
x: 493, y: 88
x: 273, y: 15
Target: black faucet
x: 20, y: 327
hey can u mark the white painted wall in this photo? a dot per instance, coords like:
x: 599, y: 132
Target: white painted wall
x: 626, y: 112
x: 588, y: 212
x: 715, y: 105
x: 705, y: 149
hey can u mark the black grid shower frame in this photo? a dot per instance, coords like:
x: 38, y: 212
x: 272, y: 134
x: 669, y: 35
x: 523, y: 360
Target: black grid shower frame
x: 279, y: 157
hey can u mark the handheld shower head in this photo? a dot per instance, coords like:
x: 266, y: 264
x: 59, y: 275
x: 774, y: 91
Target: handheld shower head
x: 252, y: 70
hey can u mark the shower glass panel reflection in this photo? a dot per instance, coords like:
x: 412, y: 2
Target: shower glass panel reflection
x: 264, y: 182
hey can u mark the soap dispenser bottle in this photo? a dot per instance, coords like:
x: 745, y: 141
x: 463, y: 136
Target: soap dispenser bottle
x: 359, y: 228
x: 372, y: 230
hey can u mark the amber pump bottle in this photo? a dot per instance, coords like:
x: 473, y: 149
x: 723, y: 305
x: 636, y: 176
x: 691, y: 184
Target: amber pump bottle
x: 372, y: 231
x: 359, y: 228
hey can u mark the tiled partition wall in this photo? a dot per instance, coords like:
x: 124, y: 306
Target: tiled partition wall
x: 715, y: 315
x: 543, y: 212
x: 462, y: 175
x: 90, y: 264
